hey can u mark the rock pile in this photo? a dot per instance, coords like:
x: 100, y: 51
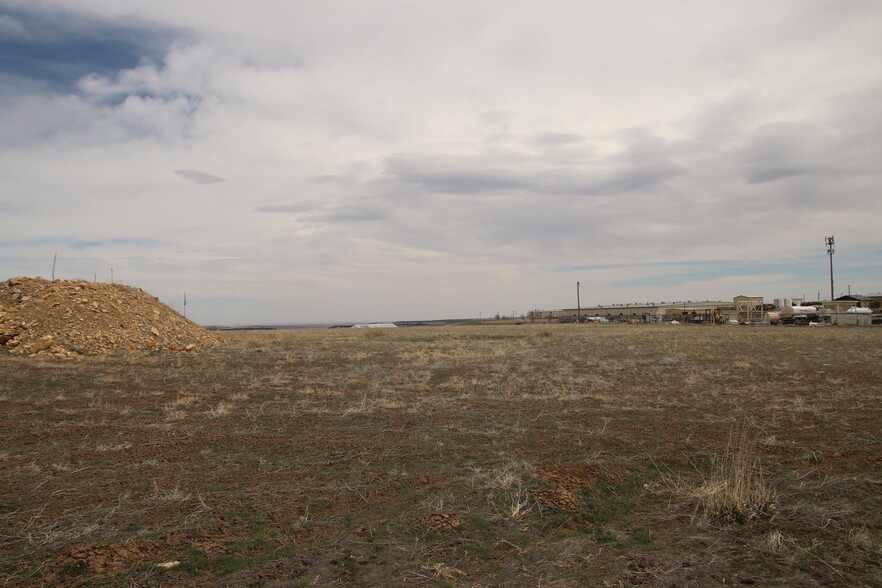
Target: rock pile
x: 67, y: 318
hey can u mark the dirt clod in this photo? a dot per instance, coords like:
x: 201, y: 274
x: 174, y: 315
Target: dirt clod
x: 575, y: 477
x: 98, y: 558
x: 443, y: 522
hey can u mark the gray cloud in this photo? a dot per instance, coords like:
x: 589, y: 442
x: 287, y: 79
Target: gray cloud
x: 357, y: 213
x: 453, y: 173
x: 200, y: 177
x: 59, y: 45
x: 642, y: 162
x: 781, y: 150
x: 548, y: 139
x: 325, y: 179
x: 13, y: 28
x: 282, y: 208
x: 353, y: 212
x: 611, y: 180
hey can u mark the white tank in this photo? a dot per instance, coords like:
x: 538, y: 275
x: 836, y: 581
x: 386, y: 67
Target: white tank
x: 799, y: 310
x: 859, y: 310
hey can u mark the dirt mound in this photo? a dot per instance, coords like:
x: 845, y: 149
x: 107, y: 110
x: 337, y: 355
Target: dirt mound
x: 556, y: 497
x: 443, y: 522
x: 67, y: 318
x: 571, y: 479
x: 575, y: 477
x: 98, y: 559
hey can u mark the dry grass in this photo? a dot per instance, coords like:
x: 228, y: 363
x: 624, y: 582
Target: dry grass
x: 776, y: 541
x: 737, y: 491
x: 319, y: 459
x: 174, y: 494
x: 113, y: 446
x: 222, y: 409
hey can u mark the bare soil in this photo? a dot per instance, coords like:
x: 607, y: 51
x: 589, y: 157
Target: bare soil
x: 529, y: 455
x: 69, y: 318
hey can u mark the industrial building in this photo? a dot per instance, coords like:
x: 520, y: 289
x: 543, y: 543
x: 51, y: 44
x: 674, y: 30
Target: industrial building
x: 845, y: 310
x: 688, y: 311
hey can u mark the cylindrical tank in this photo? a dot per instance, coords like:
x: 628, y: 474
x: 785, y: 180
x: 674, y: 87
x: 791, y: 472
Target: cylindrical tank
x: 772, y: 317
x: 789, y: 311
x: 859, y: 310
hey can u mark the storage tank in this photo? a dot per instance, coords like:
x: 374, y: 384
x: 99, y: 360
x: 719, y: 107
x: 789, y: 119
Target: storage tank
x: 859, y: 310
x: 793, y: 311
x: 772, y: 318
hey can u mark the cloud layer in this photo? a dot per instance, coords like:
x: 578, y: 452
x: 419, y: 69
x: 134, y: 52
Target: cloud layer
x: 315, y: 161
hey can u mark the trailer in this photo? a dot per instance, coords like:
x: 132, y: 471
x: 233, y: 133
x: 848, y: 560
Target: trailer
x: 792, y: 315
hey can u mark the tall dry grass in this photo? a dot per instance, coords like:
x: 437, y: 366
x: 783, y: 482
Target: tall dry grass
x: 737, y: 492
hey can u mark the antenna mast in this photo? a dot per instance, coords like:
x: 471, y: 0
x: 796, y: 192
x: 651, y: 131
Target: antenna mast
x: 829, y: 242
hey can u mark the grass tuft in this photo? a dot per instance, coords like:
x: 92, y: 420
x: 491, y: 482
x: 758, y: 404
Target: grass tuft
x: 222, y: 409
x: 737, y: 491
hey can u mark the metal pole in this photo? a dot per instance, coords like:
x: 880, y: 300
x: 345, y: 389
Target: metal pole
x: 829, y: 242
x: 578, y: 304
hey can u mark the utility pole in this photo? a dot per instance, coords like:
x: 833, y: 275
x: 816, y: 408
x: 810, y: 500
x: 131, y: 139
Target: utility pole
x: 829, y: 242
x: 53, y: 265
x: 578, y: 304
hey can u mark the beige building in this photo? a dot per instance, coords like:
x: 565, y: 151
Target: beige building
x: 843, y: 303
x: 688, y: 311
x: 749, y: 308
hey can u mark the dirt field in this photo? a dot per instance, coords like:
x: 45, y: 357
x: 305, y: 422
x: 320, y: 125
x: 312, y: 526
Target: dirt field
x: 532, y: 455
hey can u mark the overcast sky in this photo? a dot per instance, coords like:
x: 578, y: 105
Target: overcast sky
x: 359, y: 160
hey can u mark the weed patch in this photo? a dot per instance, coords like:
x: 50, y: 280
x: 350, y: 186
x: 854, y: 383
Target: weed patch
x: 737, y: 491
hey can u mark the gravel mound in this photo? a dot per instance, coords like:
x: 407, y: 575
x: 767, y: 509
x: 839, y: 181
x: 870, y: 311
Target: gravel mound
x: 68, y: 318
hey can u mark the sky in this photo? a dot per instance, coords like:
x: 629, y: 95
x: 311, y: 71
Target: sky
x: 380, y: 160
